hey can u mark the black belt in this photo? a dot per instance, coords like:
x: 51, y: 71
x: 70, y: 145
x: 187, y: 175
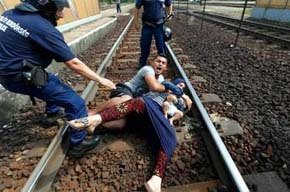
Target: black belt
x: 153, y: 24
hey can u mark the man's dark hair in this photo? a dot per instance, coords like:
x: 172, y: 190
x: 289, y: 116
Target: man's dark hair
x: 164, y: 56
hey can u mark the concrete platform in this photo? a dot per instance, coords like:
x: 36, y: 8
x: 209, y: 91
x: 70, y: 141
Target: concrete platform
x: 272, y: 14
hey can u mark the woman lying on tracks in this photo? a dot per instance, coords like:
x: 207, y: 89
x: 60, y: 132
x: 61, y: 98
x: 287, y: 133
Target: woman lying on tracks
x: 148, y: 78
x: 160, y: 133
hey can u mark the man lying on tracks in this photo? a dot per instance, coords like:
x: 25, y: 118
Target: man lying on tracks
x: 28, y: 43
x: 148, y: 78
x: 159, y: 131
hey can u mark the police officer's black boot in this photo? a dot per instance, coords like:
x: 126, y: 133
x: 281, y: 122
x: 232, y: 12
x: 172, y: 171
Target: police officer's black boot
x: 86, y: 145
x: 51, y: 118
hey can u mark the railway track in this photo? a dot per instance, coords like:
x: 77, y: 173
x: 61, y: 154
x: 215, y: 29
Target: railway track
x: 209, y: 50
x: 269, y: 33
x: 59, y: 173
x: 221, y: 4
x: 25, y: 137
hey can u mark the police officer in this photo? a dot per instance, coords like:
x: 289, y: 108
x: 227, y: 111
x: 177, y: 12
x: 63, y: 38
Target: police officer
x: 28, y: 43
x: 152, y: 24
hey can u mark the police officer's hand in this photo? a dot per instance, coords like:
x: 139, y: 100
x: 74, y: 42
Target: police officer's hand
x: 107, y: 83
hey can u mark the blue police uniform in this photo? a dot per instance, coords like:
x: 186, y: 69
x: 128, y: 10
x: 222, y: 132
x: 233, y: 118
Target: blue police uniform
x: 28, y: 36
x: 152, y: 20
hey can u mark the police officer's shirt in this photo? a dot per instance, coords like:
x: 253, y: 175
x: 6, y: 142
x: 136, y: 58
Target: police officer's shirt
x: 153, y: 9
x: 29, y: 36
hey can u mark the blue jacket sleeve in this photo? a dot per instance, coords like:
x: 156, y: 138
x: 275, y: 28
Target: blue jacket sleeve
x: 175, y: 90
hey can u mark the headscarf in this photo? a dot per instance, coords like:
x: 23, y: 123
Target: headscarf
x: 177, y: 81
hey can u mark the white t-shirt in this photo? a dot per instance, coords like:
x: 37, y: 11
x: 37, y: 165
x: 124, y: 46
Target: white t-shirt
x: 138, y: 84
x: 172, y: 109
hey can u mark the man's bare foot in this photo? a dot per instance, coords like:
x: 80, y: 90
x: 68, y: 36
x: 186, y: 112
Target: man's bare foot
x: 89, y: 123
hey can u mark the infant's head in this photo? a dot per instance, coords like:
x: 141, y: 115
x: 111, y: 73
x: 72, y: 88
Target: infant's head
x: 179, y: 83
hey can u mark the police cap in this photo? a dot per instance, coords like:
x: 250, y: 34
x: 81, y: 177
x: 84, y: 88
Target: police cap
x: 34, y: 5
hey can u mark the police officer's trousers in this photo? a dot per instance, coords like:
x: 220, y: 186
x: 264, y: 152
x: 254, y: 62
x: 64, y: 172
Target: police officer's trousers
x: 57, y: 93
x: 145, y: 42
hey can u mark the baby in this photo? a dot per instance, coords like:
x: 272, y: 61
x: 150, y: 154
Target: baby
x: 174, y: 107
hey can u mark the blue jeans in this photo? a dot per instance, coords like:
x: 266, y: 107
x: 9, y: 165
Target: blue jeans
x: 51, y: 108
x: 145, y: 42
x: 55, y: 93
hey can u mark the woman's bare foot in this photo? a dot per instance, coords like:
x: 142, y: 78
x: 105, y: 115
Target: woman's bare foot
x: 89, y: 123
x: 154, y: 184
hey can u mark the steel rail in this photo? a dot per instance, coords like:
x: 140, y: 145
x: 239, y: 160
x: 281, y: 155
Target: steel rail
x: 90, y: 91
x: 55, y: 153
x: 234, y: 173
x: 220, y: 4
x: 279, y: 40
x: 230, y: 4
x: 51, y: 150
x: 252, y: 23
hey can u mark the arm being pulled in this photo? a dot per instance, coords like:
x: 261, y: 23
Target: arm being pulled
x: 175, y: 90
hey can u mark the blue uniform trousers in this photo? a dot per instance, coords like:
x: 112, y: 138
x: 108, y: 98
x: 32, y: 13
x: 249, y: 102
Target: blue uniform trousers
x: 55, y: 93
x: 145, y: 42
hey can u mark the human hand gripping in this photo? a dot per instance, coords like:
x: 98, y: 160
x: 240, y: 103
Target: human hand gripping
x: 107, y: 83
